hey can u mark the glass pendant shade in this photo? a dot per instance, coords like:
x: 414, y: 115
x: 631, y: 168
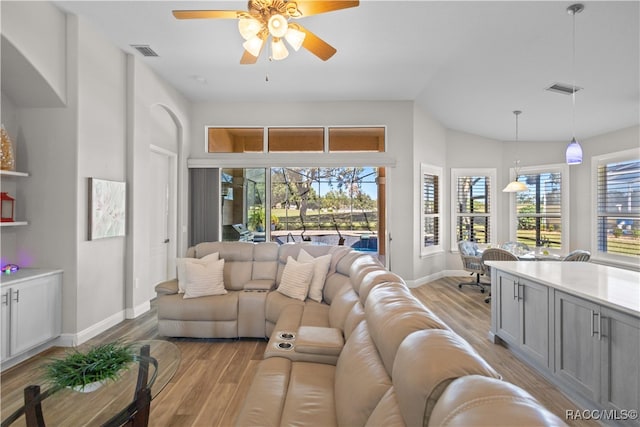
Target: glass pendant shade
x: 294, y: 38
x: 249, y: 27
x: 574, y: 153
x: 278, y: 26
x: 515, y: 186
x: 253, y: 45
x: 278, y: 50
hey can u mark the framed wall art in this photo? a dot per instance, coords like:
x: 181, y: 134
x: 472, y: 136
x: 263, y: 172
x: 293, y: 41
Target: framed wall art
x: 107, y: 208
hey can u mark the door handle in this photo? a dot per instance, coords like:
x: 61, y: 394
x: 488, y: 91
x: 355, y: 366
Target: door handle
x: 595, y: 314
x: 5, y: 298
x: 17, y: 297
x: 516, y: 290
x: 166, y: 241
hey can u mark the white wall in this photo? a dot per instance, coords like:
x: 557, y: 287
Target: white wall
x: 430, y: 147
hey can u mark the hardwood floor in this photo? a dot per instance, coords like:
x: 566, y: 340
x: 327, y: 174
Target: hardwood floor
x: 214, y: 375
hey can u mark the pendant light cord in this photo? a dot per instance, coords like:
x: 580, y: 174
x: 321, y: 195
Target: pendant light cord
x: 573, y: 72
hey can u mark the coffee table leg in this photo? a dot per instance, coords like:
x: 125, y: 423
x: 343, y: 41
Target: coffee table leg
x: 33, y: 411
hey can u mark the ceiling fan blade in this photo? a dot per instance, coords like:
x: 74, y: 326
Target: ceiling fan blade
x: 314, y: 7
x: 207, y: 14
x: 316, y: 45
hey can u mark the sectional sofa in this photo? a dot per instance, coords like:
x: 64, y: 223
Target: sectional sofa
x: 357, y: 350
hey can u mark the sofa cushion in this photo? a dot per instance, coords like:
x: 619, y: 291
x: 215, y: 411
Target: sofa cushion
x: 426, y: 363
x: 392, y: 313
x: 269, y: 387
x: 318, y: 340
x: 387, y: 412
x: 181, y: 267
x: 475, y: 399
x: 310, y: 400
x: 361, y: 379
x: 265, y: 261
x: 341, y: 306
x: 216, y: 307
x: 320, y: 271
x: 296, y: 279
x: 204, y: 279
x: 315, y: 314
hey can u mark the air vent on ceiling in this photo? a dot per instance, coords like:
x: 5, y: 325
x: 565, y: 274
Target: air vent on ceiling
x: 144, y: 49
x: 563, y: 88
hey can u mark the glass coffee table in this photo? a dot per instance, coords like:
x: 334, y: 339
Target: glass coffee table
x: 72, y: 408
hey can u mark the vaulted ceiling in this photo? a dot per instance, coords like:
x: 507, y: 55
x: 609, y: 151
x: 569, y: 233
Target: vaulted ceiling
x: 469, y: 64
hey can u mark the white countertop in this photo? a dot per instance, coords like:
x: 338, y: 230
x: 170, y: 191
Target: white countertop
x: 613, y: 287
x: 26, y: 274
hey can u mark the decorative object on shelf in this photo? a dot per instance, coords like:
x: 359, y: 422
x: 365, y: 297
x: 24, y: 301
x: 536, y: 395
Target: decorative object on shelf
x: 7, y: 207
x: 88, y: 371
x: 9, y: 269
x: 107, y: 208
x: 574, y: 150
x: 516, y: 186
x: 7, y: 162
x: 270, y: 18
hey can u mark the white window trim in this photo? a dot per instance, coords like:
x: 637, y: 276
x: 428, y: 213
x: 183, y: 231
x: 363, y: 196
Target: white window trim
x: 564, y: 171
x: 426, y: 169
x: 493, y: 176
x: 602, y: 257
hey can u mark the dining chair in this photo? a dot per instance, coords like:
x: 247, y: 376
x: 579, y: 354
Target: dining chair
x: 495, y: 254
x: 578, y: 255
x: 471, y: 262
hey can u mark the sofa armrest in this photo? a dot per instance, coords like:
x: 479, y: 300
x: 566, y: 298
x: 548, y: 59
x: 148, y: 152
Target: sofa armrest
x: 319, y: 340
x: 259, y: 285
x: 169, y: 287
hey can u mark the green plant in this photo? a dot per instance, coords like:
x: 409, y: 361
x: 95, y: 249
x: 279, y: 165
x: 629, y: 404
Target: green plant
x: 100, y: 363
x: 256, y: 218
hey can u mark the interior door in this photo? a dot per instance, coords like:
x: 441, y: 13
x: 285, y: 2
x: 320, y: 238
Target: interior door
x: 159, y: 232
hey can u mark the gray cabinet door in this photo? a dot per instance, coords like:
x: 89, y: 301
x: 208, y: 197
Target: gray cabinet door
x: 577, y: 348
x: 508, y: 308
x: 620, y: 368
x: 534, y: 334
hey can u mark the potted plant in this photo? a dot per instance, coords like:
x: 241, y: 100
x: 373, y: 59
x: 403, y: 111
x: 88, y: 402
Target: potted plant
x: 256, y: 218
x: 87, y: 371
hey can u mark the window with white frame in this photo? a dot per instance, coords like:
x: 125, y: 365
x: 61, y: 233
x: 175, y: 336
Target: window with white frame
x: 542, y: 212
x: 473, y: 205
x: 431, y: 225
x: 617, y: 199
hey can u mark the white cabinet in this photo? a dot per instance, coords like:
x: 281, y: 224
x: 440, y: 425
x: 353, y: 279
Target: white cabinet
x: 31, y: 310
x: 522, y: 316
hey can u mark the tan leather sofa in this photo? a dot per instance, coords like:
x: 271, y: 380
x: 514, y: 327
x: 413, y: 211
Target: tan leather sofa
x: 369, y: 355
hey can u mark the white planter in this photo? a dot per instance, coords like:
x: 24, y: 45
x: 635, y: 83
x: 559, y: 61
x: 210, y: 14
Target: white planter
x: 88, y: 388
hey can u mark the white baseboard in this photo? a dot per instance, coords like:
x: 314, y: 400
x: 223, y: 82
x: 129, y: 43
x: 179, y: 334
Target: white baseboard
x: 72, y: 340
x: 132, y: 313
x: 430, y: 278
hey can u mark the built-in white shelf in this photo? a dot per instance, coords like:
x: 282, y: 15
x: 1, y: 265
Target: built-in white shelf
x: 13, y: 224
x: 13, y: 173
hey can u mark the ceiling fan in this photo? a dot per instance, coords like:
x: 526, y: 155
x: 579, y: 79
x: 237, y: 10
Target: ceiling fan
x: 266, y: 18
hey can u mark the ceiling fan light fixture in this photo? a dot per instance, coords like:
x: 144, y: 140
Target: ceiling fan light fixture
x: 278, y: 49
x: 278, y: 25
x: 295, y: 38
x: 249, y: 27
x: 253, y: 45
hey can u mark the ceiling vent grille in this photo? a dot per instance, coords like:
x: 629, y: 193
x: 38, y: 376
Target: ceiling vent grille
x: 563, y: 88
x: 144, y: 49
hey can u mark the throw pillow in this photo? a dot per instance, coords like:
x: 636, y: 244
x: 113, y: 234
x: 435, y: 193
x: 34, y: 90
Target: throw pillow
x: 296, y: 278
x: 320, y: 269
x: 204, y: 279
x: 180, y: 267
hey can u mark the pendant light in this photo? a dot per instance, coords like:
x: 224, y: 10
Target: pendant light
x: 515, y: 185
x: 574, y: 150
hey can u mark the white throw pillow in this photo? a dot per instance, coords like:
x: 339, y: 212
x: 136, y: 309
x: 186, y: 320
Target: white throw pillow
x: 180, y: 263
x: 296, y: 279
x: 320, y: 270
x: 204, y: 279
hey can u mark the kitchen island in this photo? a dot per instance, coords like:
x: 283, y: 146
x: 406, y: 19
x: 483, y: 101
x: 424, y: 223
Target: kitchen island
x: 577, y: 323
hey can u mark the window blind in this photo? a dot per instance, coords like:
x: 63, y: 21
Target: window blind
x: 473, y: 208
